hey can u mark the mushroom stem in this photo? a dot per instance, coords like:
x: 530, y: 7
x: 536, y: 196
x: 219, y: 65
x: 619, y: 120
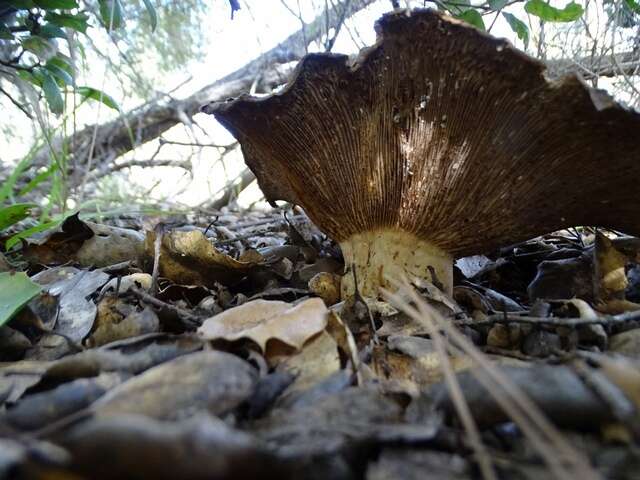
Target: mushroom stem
x: 380, y: 256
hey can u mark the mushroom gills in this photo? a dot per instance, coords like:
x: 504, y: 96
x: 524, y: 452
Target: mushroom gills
x: 383, y: 256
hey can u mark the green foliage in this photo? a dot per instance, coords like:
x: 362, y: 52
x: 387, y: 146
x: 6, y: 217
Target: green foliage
x: 51, y: 4
x: 33, y: 29
x: 473, y: 14
x: 14, y: 213
x: 52, y: 94
x: 498, y: 4
x: 548, y: 13
x: 111, y: 13
x: 153, y: 16
x: 472, y: 17
x: 98, y: 95
x: 518, y: 26
x: 16, y: 290
x: 633, y: 5
x: 155, y: 35
x: 78, y: 21
x: 41, y: 227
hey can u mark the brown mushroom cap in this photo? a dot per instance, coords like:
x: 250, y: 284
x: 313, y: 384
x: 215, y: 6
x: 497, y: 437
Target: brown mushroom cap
x: 444, y: 132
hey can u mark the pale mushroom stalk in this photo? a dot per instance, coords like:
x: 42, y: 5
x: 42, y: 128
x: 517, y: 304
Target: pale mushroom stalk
x: 439, y: 141
x: 380, y: 256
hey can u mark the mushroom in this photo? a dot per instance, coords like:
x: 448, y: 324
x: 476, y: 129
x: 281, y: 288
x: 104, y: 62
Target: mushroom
x: 438, y: 141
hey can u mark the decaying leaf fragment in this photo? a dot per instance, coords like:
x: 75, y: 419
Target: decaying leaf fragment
x: 118, y: 320
x: 73, y: 287
x: 189, y: 258
x: 86, y: 243
x: 132, y: 446
x: 264, y: 320
x: 414, y: 360
x: 203, y: 381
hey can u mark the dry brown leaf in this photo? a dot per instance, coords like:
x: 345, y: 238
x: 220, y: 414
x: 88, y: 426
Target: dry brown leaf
x: 211, y: 380
x: 189, y: 258
x: 624, y: 373
x: 118, y: 320
x: 344, y: 338
x: 504, y: 336
x: 611, y: 279
x: 413, y: 359
x: 110, y: 245
x: 318, y: 360
x: 73, y: 287
x: 327, y: 286
x: 616, y: 307
x: 264, y: 320
x: 626, y: 343
x: 87, y: 243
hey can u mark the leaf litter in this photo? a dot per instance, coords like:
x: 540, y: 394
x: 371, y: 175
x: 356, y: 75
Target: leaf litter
x: 233, y: 359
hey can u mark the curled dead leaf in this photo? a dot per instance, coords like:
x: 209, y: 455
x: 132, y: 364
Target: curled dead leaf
x: 85, y: 243
x: 264, y: 320
x: 189, y: 258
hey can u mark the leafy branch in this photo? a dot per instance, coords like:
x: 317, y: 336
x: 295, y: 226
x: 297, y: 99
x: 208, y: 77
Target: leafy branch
x: 37, y: 28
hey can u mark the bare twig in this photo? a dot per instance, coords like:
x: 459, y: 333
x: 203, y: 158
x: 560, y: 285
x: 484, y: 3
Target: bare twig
x: 16, y: 103
x: 606, y: 320
x: 186, y: 316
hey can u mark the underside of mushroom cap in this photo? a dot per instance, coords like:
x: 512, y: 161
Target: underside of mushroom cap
x: 446, y: 133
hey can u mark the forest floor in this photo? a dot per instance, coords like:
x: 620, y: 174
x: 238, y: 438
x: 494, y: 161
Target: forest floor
x: 222, y: 350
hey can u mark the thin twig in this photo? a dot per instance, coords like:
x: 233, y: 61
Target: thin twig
x: 16, y: 103
x: 557, y: 321
x: 190, y: 319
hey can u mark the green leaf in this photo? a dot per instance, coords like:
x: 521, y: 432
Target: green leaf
x: 48, y: 4
x: 5, y: 33
x: 76, y: 21
x: 472, y: 17
x: 52, y: 93
x: 546, y: 12
x: 633, y: 5
x: 38, y: 179
x: 16, y: 290
x: 497, y: 4
x: 6, y: 188
x: 454, y: 7
x: 21, y: 4
x: 111, y: 13
x: 60, y: 74
x: 63, y: 61
x: 14, y: 213
x: 51, y: 31
x: 41, y: 227
x: 153, y: 15
x: 518, y: 26
x: 98, y: 95
x: 41, y: 47
x: 35, y: 76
